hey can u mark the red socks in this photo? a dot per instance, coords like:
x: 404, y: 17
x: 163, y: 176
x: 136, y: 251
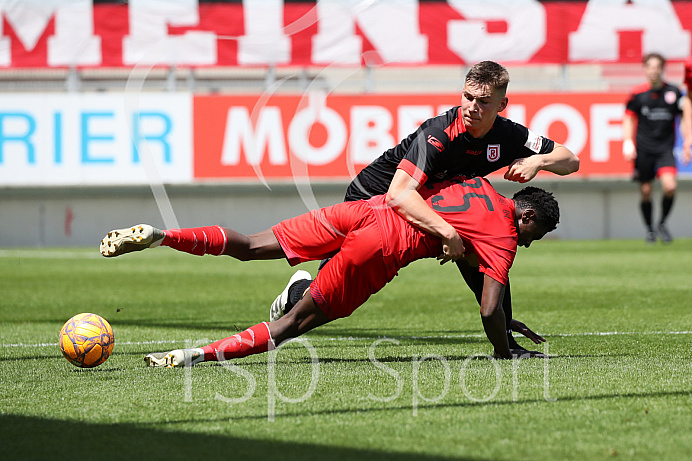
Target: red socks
x: 254, y: 340
x: 197, y: 240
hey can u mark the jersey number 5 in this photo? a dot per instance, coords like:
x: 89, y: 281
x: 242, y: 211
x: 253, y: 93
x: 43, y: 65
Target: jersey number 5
x: 465, y: 205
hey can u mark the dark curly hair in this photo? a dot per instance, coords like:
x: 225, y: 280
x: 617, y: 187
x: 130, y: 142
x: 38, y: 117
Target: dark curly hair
x: 542, y: 202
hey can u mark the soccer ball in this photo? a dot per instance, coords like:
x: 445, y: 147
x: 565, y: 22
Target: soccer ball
x: 86, y: 340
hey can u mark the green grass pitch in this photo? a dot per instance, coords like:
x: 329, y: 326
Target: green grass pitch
x: 401, y: 379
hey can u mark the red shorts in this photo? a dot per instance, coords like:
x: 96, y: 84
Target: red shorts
x: 347, y: 232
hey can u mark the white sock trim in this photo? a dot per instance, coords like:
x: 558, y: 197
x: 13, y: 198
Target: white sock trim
x: 225, y: 240
x: 271, y: 345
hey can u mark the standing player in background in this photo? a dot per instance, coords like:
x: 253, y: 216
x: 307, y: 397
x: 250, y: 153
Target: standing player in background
x: 468, y: 140
x: 686, y: 121
x: 650, y: 114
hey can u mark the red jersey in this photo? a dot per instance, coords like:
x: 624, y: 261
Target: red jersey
x: 688, y: 75
x: 484, y: 219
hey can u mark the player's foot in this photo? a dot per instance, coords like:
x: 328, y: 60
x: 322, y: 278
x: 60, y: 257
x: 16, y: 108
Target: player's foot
x: 135, y: 238
x: 664, y: 234
x: 278, y: 307
x: 176, y: 358
x: 650, y: 237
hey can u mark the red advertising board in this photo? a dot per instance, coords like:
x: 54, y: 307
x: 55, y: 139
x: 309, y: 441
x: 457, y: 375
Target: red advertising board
x: 324, y: 136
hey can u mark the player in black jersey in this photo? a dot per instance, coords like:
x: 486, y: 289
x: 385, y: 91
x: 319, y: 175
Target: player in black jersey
x: 651, y: 111
x: 469, y: 140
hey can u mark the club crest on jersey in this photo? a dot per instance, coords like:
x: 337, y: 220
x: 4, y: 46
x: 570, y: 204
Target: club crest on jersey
x: 493, y: 152
x: 436, y: 143
x: 670, y: 97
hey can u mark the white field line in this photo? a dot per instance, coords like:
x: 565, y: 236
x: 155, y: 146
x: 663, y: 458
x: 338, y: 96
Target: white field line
x: 48, y: 254
x: 355, y: 338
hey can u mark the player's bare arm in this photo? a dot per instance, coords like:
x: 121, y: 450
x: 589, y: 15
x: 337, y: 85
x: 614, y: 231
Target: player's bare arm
x: 404, y: 198
x: 560, y: 161
x: 628, y: 149
x: 493, y: 317
x: 686, y: 129
x: 471, y: 259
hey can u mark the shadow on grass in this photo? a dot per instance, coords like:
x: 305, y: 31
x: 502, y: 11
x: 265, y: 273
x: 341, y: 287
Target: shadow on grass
x: 25, y: 437
x: 137, y: 353
x: 239, y: 324
x: 469, y: 404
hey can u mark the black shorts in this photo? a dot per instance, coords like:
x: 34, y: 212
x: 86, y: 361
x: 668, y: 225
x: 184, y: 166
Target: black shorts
x: 647, y: 166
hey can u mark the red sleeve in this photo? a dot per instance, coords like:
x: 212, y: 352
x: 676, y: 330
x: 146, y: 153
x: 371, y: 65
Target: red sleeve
x: 413, y: 171
x: 688, y: 75
x: 495, y: 261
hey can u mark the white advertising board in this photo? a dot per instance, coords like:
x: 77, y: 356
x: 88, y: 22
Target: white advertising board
x: 95, y: 139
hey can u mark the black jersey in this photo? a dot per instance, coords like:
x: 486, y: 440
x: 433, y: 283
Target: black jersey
x: 441, y: 149
x: 655, y: 111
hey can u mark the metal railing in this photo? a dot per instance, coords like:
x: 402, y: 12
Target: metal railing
x: 423, y: 79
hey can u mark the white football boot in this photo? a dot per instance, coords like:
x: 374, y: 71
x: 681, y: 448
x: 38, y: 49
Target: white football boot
x: 135, y: 238
x: 278, y: 307
x: 176, y: 358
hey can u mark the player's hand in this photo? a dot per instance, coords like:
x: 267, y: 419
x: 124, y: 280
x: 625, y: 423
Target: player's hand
x: 524, y: 354
x: 521, y: 354
x: 519, y: 327
x: 686, y: 151
x: 452, y: 249
x: 523, y: 169
x: 628, y: 150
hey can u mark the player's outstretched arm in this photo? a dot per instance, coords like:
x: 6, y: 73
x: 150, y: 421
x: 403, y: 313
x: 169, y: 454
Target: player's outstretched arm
x: 403, y: 196
x: 560, y: 161
x: 629, y: 151
x: 686, y: 128
x: 494, y: 317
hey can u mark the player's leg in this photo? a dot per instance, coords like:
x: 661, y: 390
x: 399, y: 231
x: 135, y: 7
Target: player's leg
x: 669, y: 184
x: 357, y: 271
x: 255, y: 340
x: 296, y: 288
x: 646, y: 209
x: 214, y: 240
x: 339, y: 220
x: 645, y: 173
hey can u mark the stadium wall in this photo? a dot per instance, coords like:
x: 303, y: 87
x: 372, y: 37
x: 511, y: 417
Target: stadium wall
x: 80, y: 216
x: 73, y: 166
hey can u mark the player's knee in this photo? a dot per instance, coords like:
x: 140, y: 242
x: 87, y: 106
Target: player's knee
x: 646, y: 192
x: 669, y: 187
x: 304, y: 316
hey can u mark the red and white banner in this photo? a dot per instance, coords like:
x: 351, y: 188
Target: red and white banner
x: 58, y: 33
x: 335, y: 136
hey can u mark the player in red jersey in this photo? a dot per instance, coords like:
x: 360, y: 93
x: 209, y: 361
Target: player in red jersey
x: 651, y: 111
x: 686, y: 121
x: 471, y: 140
x: 368, y: 242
